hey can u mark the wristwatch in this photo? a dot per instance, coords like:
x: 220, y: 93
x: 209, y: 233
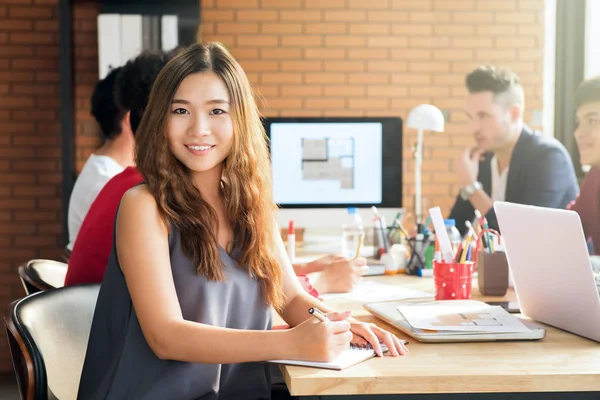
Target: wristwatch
x: 468, y: 191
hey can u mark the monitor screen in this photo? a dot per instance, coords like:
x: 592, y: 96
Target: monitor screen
x: 336, y: 162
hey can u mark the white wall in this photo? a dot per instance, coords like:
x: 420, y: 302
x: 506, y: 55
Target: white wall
x: 592, y: 38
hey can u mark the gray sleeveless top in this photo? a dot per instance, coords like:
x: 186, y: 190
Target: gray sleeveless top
x: 119, y: 363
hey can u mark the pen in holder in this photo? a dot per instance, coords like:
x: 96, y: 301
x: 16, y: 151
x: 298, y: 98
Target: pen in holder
x: 492, y: 268
x: 418, y: 246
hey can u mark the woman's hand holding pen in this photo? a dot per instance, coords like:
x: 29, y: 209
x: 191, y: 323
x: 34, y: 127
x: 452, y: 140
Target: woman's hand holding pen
x: 313, y: 340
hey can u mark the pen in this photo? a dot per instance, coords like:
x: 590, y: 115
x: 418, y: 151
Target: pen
x: 359, y: 245
x: 318, y: 314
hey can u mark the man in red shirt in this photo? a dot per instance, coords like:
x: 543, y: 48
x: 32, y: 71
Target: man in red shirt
x: 587, y: 134
x: 93, y: 245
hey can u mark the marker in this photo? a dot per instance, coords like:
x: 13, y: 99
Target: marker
x: 291, y: 241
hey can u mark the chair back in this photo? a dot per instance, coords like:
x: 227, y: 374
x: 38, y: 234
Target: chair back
x: 48, y: 334
x: 39, y: 275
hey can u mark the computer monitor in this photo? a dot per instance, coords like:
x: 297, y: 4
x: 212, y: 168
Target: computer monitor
x: 322, y: 166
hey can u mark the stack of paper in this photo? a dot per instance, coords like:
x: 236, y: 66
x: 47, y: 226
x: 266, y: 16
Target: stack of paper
x: 461, y: 316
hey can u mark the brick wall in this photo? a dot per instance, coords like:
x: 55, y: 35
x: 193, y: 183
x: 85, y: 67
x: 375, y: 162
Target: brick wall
x: 85, y: 60
x: 29, y: 142
x: 381, y: 58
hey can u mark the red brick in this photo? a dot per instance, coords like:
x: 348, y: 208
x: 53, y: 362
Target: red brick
x: 325, y: 103
x: 326, y: 28
x: 16, y: 76
x: 301, y: 41
x: 279, y: 28
x: 37, y: 241
x: 34, y: 64
x: 46, y: 26
x: 387, y: 66
x: 368, y: 78
x: 412, y: 30
x: 32, y: 38
x: 345, y: 16
x: 34, y: 115
x: 217, y: 15
x: 16, y: 25
x: 344, y: 41
x: 346, y: 66
x: 50, y: 228
x: 34, y: 166
x: 14, y: 102
x: 392, y: 42
x: 367, y: 103
x: 368, y: 54
x: 7, y: 50
x: 283, y: 103
x: 255, y: 15
x: 325, y: 78
x: 53, y: 153
x: 47, y: 77
x: 258, y: 41
x: 237, y: 28
x: 331, y: 4
x: 507, y: 5
x: 345, y: 91
x: 260, y: 66
x: 34, y: 191
x: 301, y: 66
x: 237, y: 4
x: 301, y: 16
x: 301, y: 90
x: 30, y: 12
x: 279, y: 77
x: 324, y: 54
x: 47, y: 51
x: 369, y: 29
x: 17, y: 204
x: 370, y: 5
x: 277, y: 4
x: 38, y: 89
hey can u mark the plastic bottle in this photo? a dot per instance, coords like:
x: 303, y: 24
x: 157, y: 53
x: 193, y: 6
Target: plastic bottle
x: 453, y: 234
x: 352, y: 230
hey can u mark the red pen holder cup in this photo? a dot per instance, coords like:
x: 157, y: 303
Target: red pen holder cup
x: 452, y: 281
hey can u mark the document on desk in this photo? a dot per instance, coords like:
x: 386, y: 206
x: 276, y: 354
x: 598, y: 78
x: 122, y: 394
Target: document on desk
x: 348, y: 358
x: 369, y: 292
x: 461, y: 316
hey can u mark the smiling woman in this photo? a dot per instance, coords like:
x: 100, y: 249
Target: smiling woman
x: 198, y: 265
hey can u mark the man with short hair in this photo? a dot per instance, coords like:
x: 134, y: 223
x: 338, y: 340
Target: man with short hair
x: 509, y: 161
x: 587, y: 134
x: 92, y: 248
x: 115, y: 154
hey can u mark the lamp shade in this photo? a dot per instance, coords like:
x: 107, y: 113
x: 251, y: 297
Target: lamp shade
x: 426, y: 117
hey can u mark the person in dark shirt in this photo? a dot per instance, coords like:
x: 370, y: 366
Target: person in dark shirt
x: 587, y: 134
x: 509, y: 161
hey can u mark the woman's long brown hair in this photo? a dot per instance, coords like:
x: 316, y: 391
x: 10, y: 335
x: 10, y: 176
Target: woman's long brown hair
x: 246, y: 181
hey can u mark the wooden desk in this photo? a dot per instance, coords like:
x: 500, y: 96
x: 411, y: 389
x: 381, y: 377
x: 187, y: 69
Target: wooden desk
x: 561, y: 362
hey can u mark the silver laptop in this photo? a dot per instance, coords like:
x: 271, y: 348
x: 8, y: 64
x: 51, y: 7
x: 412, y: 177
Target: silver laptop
x: 550, y: 267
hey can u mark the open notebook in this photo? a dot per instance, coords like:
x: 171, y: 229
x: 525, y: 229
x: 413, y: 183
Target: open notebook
x: 352, y: 356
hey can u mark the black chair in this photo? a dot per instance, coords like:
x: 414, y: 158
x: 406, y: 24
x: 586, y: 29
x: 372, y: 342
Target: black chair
x: 48, y: 334
x: 39, y: 275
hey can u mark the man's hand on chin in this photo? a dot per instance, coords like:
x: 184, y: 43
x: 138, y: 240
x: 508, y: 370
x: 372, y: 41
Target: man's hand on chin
x: 466, y: 165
